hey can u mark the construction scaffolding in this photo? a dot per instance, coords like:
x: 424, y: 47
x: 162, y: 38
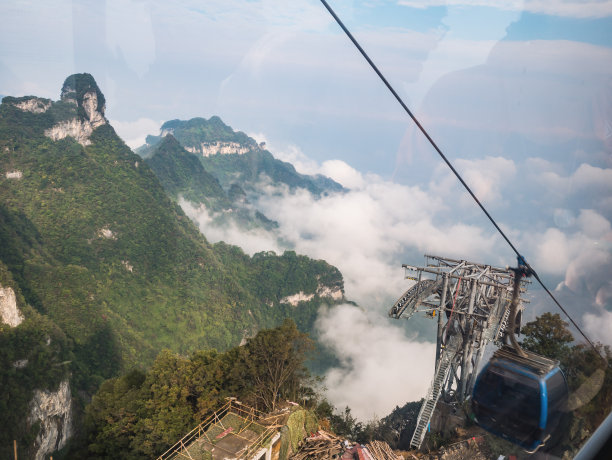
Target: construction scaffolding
x: 471, y: 302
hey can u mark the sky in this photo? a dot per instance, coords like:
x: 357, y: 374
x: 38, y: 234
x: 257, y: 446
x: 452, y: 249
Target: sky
x: 518, y: 96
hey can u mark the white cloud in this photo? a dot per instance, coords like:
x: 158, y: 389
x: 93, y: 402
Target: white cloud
x: 581, y: 253
x: 294, y: 155
x: 259, y: 137
x: 588, y: 275
x: 366, y: 231
x: 586, y: 176
x: 251, y: 241
x: 374, y: 375
x: 342, y: 173
x: 577, y: 250
x: 599, y: 325
x: 487, y: 178
x: 594, y: 225
x: 553, y: 253
x: 569, y: 8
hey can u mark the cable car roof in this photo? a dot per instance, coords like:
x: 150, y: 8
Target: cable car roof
x: 533, y: 362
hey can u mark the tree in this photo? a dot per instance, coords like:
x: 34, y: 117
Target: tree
x: 548, y: 336
x: 140, y: 415
x: 273, y: 361
x: 112, y: 416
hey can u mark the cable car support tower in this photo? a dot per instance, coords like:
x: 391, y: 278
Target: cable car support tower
x: 472, y: 303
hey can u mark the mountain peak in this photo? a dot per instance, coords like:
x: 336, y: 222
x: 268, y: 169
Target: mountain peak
x: 169, y: 141
x: 78, y: 85
x: 81, y: 90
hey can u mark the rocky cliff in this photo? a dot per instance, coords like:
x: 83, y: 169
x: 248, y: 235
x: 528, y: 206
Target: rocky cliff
x: 82, y: 91
x: 51, y: 411
x: 9, y: 313
x: 225, y: 148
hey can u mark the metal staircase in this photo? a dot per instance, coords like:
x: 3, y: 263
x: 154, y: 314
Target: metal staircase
x: 434, y: 392
x: 407, y: 304
x: 502, y: 325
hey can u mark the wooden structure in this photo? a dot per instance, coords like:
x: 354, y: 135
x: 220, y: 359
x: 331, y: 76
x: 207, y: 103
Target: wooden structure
x: 235, y: 431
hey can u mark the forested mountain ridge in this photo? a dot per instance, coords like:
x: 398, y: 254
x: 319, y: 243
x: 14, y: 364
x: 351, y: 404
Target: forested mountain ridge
x: 199, y: 135
x: 106, y: 270
x: 235, y: 158
x: 183, y: 176
x: 181, y: 173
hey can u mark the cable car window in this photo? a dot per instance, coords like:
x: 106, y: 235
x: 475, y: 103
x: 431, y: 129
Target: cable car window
x: 514, y: 396
x: 517, y: 95
x: 557, y: 392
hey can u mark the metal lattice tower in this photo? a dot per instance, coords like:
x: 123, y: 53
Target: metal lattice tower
x: 471, y: 302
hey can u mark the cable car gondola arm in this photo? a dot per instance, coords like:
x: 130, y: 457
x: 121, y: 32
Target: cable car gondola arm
x: 521, y: 271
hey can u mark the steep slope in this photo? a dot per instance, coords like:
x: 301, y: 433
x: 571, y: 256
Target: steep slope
x: 233, y: 157
x: 107, y: 266
x: 35, y: 357
x: 182, y: 174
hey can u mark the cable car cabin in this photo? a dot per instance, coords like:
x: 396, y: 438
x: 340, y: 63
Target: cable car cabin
x: 520, y: 399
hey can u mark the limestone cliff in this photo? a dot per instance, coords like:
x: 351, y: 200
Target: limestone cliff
x: 34, y: 105
x: 52, y: 411
x: 82, y: 91
x: 9, y: 313
x: 334, y: 293
x: 225, y: 148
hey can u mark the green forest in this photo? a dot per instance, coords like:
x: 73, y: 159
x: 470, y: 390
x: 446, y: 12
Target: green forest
x: 108, y: 270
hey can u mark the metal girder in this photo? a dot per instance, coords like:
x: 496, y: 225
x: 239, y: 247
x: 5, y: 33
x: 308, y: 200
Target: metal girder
x: 407, y: 304
x: 471, y: 301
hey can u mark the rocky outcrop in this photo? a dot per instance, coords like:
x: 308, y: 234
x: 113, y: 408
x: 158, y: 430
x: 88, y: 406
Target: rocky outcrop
x: 81, y: 90
x: 20, y: 363
x: 34, y: 105
x: 78, y: 129
x: 322, y: 291
x: 225, y: 148
x: 53, y: 412
x: 297, y: 298
x: 333, y: 293
x: 107, y: 233
x: 9, y: 313
x: 14, y: 174
x: 128, y: 266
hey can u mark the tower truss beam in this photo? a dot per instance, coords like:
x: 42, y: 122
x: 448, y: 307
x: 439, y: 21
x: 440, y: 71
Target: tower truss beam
x: 471, y: 301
